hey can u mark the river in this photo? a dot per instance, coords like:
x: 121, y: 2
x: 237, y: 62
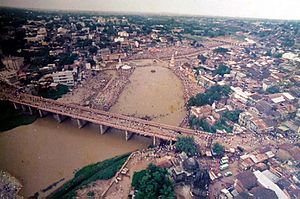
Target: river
x: 45, y: 152
x: 157, y: 95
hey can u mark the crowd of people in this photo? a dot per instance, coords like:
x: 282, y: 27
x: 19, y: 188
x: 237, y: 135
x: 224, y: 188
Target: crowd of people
x: 163, y: 53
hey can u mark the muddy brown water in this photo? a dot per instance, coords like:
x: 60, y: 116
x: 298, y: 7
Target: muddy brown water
x: 45, y: 152
x: 154, y: 92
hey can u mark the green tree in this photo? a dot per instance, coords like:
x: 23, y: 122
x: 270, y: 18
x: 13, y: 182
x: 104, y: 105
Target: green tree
x: 1, y: 63
x: 153, y: 182
x: 214, y: 93
x: 202, y: 58
x: 199, y: 124
x: 137, y: 177
x: 93, y: 49
x: 91, y: 61
x: 222, y: 70
x: 220, y: 50
x: 273, y: 89
x: 218, y: 149
x: 232, y: 115
x: 186, y: 144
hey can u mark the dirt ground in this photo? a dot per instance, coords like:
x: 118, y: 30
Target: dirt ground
x: 97, y: 188
x: 122, y: 188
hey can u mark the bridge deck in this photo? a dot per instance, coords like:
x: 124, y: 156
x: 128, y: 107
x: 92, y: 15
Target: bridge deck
x: 119, y: 121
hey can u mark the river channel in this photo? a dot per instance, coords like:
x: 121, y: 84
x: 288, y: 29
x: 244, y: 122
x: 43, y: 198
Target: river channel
x: 45, y: 152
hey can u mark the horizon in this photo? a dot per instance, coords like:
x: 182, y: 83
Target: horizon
x: 129, y: 13
x: 250, y: 9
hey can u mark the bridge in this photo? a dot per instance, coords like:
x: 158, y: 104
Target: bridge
x: 105, y: 120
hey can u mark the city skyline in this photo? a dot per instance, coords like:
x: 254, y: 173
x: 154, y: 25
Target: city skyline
x: 266, y: 9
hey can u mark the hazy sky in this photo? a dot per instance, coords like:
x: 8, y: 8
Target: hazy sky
x: 276, y: 9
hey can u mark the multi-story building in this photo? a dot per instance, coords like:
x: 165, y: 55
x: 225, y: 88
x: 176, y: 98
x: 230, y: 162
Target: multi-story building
x: 64, y: 77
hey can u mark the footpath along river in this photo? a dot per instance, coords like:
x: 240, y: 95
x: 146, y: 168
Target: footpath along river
x: 45, y: 152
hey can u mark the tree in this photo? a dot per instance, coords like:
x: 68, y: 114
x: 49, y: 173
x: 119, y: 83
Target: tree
x: 273, y: 89
x: 93, y: 50
x: 223, y: 69
x: 218, y: 149
x: 137, y: 177
x: 202, y: 58
x: 1, y: 63
x: 220, y: 50
x: 200, y: 124
x: 91, y: 61
x: 153, y: 182
x: 186, y: 144
x: 212, y: 94
x: 232, y: 115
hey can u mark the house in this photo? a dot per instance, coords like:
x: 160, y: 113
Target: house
x: 261, y: 192
x: 254, y: 123
x: 245, y: 181
x: 201, y: 112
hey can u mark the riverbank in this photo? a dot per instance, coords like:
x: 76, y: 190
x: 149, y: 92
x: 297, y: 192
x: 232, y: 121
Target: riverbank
x: 36, y: 153
x: 11, y: 118
x: 99, y: 171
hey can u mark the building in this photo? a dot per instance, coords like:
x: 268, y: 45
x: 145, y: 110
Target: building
x: 254, y: 123
x: 13, y: 63
x: 245, y: 181
x: 64, y: 78
x: 261, y: 192
x: 201, y: 112
x: 264, y: 181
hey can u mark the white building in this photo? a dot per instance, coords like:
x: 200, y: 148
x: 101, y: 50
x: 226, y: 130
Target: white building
x: 123, y: 34
x: 64, y: 77
x: 267, y: 183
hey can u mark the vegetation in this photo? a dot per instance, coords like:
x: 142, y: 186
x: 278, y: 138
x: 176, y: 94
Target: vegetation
x: 273, y: 89
x: 99, y: 171
x: 91, y: 194
x: 212, y: 94
x: 54, y: 93
x: 221, y: 125
x: 222, y: 70
x: 218, y: 149
x: 153, y: 182
x: 2, y: 66
x: 221, y: 50
x: 202, y: 58
x: 232, y: 115
x: 11, y: 118
x: 186, y: 144
x: 201, y: 124
x: 67, y: 59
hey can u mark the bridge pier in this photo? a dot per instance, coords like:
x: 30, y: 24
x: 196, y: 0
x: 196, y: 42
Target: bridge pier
x: 156, y: 141
x: 23, y: 107
x: 31, y: 110
x: 81, y: 123
x: 103, y: 128
x: 128, y: 135
x: 59, y: 118
x: 42, y: 113
x: 16, y: 106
